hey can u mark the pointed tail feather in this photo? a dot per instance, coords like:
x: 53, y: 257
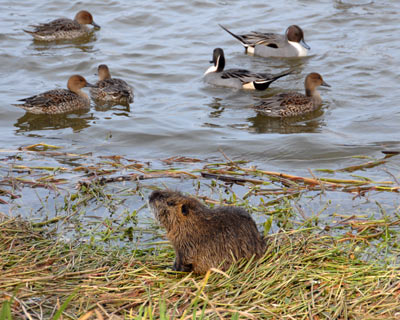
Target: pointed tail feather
x: 27, y: 31
x: 22, y: 106
x: 272, y: 77
x: 235, y: 36
x: 264, y: 84
x: 282, y: 74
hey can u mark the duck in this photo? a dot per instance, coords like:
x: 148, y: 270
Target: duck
x: 291, y: 44
x: 59, y: 100
x: 292, y: 104
x: 64, y: 28
x: 109, y: 89
x: 237, y: 78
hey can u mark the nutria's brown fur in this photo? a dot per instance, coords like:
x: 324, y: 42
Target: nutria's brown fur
x: 202, y: 237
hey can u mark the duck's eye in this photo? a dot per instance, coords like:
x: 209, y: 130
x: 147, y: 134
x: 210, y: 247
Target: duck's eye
x: 170, y: 203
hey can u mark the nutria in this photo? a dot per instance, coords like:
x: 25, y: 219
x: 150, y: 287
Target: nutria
x: 202, y: 237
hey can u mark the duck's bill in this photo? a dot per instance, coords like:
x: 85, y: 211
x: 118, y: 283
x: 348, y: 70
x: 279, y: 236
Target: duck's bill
x: 90, y: 85
x: 94, y: 24
x: 325, y: 84
x: 304, y: 44
x: 211, y: 61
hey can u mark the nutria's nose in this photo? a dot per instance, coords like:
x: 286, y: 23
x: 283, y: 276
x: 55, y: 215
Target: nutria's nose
x: 154, y: 195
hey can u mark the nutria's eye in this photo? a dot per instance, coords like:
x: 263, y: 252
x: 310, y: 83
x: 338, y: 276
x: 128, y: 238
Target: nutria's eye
x: 171, y: 203
x: 185, y: 210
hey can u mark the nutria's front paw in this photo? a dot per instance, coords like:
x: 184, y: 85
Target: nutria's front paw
x: 182, y: 267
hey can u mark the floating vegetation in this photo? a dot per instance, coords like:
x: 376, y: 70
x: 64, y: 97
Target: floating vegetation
x: 85, y: 169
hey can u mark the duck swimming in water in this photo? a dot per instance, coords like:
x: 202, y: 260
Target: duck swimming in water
x: 291, y: 44
x: 237, y: 78
x: 64, y: 28
x: 292, y: 103
x: 59, y: 100
x: 109, y: 89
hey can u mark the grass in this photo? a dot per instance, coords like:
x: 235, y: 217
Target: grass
x: 302, y: 276
x: 333, y: 241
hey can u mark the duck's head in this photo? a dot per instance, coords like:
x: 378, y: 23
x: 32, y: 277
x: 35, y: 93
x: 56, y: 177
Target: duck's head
x: 295, y: 34
x: 85, y: 17
x: 77, y: 82
x: 103, y: 72
x: 218, y: 61
x: 313, y: 81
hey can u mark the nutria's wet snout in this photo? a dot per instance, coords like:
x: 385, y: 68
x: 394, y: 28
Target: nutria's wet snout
x: 204, y: 238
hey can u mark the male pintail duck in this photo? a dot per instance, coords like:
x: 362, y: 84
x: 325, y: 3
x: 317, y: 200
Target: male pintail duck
x: 237, y: 78
x: 111, y: 89
x: 64, y: 28
x: 59, y: 100
x: 291, y: 44
x: 292, y: 103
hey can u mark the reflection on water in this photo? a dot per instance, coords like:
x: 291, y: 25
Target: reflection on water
x: 347, y: 4
x: 117, y: 109
x: 107, y: 105
x: 81, y: 43
x: 77, y: 121
x: 218, y: 108
x: 260, y: 123
x: 44, y: 47
x: 308, y: 123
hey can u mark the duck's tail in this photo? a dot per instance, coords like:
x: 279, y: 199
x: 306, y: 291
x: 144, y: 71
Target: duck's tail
x: 282, y: 74
x: 126, y: 94
x: 264, y: 84
x: 242, y: 41
x: 35, y: 35
x: 27, y: 31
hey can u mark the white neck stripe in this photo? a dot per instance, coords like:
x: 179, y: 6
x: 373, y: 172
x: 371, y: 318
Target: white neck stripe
x: 211, y: 69
x: 301, y: 51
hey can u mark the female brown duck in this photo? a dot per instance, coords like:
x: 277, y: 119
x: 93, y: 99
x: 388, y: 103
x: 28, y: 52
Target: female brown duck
x: 59, y: 100
x: 292, y: 103
x: 109, y: 89
x: 64, y: 28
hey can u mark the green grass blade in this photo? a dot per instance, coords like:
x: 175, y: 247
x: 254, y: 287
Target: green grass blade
x: 5, y: 313
x: 64, y: 305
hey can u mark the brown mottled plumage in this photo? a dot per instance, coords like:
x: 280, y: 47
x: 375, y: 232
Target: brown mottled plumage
x: 59, y: 100
x: 202, y: 237
x: 111, y: 89
x: 292, y: 103
x: 64, y: 28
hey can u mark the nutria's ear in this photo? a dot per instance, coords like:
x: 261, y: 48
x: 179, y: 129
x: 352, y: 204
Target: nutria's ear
x: 185, y: 209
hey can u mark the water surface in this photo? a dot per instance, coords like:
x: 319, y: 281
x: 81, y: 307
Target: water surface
x: 163, y: 48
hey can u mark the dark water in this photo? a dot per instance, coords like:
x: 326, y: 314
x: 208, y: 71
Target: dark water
x: 163, y: 48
